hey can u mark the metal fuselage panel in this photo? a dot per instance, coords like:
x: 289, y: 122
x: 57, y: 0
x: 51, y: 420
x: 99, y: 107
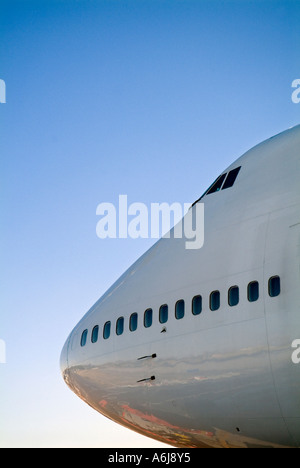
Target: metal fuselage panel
x: 225, y: 377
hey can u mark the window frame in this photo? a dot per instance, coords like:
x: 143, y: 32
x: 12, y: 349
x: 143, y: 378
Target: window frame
x: 211, y: 299
x: 271, y: 288
x: 218, y: 184
x: 107, y: 327
x: 84, y: 337
x: 120, y: 331
x: 230, y: 302
x: 179, y: 316
x: 134, y: 316
x: 231, y: 178
x: 148, y: 314
x: 95, y: 334
x: 201, y: 306
x: 249, y: 291
x: 163, y: 316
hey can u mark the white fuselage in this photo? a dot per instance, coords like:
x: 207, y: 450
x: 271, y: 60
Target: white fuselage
x: 224, y: 377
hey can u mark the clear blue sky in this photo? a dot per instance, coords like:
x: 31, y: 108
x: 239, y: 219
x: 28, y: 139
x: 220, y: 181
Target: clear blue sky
x: 152, y: 99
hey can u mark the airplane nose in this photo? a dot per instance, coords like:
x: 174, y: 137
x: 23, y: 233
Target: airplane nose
x: 64, y: 359
x: 65, y: 364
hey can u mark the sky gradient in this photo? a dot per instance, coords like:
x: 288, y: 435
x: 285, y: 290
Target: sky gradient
x: 152, y: 99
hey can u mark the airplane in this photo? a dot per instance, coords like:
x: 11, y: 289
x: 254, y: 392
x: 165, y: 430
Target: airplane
x: 194, y: 348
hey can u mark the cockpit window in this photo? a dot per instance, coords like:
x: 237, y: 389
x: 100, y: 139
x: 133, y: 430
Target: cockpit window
x: 231, y: 178
x: 223, y: 182
x: 216, y: 187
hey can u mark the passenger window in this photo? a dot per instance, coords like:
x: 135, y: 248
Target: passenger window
x: 133, y: 322
x: 253, y: 291
x: 164, y: 314
x: 197, y: 305
x: 95, y: 334
x: 120, y: 326
x: 148, y: 318
x: 179, y: 309
x: 231, y: 178
x: 233, y: 296
x: 215, y: 300
x: 106, y: 330
x: 84, y: 338
x: 274, y: 286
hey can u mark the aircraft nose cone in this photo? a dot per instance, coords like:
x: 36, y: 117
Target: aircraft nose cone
x: 64, y: 359
x: 64, y: 364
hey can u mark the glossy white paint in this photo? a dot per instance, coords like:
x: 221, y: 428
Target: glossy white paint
x: 222, y: 378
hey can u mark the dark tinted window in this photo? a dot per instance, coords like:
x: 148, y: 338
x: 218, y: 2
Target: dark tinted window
x: 231, y: 178
x: 197, y: 305
x: 215, y: 300
x: 133, y: 322
x: 253, y: 291
x: 95, y: 334
x: 233, y: 296
x: 106, y: 330
x: 148, y: 318
x: 120, y: 326
x: 179, y: 309
x: 84, y: 338
x: 274, y: 286
x: 163, y: 314
x: 217, y: 185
